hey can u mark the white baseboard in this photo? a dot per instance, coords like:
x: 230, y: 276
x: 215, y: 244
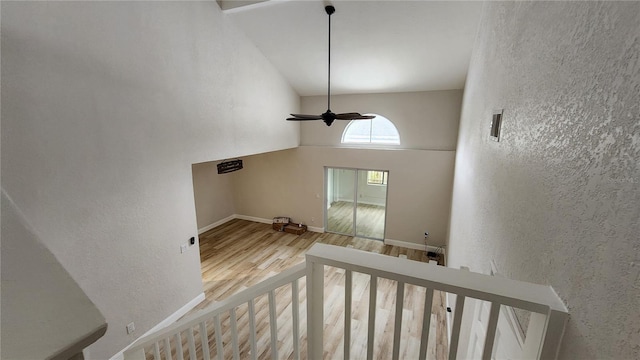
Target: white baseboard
x: 216, y: 224
x: 164, y: 323
x: 250, y: 218
x: 254, y: 219
x: 315, y: 229
x: 269, y: 221
x: 410, y: 245
x: 350, y: 200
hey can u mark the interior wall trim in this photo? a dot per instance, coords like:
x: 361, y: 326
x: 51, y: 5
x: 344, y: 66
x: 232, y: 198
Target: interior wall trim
x: 254, y: 219
x: 216, y: 224
x: 250, y: 218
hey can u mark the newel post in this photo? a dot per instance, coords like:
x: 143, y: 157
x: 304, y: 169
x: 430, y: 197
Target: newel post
x: 315, y: 308
x: 544, y: 334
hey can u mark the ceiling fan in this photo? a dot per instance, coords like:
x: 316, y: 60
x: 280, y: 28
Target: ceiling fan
x: 328, y: 117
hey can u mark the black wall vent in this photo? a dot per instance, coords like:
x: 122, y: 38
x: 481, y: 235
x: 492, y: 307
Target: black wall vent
x: 228, y: 166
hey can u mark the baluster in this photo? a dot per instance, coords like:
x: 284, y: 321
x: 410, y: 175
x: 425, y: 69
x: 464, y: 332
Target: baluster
x: 192, y: 344
x: 295, y: 302
x: 179, y: 355
x: 234, y: 333
x: 252, y: 329
x: 455, y: 330
x: 348, y: 290
x: 167, y: 348
x: 373, y: 292
x: 204, y: 338
x: 397, y: 329
x: 218, y: 328
x: 315, y: 309
x: 426, y: 324
x: 273, y: 325
x: 156, y: 351
x: 491, y: 331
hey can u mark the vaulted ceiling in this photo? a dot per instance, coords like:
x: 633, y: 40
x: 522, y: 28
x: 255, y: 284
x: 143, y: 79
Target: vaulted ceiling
x: 377, y: 46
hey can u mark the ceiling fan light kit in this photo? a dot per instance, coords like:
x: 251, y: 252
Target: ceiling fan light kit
x: 328, y: 116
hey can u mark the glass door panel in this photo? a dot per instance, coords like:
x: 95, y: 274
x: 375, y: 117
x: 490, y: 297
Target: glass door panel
x: 340, y: 214
x: 371, y: 202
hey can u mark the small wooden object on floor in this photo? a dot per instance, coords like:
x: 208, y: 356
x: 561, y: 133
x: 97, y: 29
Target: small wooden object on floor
x: 280, y: 222
x: 297, y: 229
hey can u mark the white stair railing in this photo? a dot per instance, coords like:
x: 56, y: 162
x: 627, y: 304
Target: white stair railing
x: 197, y: 332
x: 543, y: 338
x: 546, y: 324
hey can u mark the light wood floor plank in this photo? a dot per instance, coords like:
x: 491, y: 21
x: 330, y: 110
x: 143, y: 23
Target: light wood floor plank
x: 370, y: 220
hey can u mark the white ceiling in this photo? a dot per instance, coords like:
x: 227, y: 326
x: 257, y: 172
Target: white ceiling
x: 376, y: 46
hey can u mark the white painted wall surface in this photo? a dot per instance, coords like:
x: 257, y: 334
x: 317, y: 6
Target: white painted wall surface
x: 213, y: 193
x: 556, y: 200
x: 290, y: 183
x: 105, y: 107
x: 65, y: 323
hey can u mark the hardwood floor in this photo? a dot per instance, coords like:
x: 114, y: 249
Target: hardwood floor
x: 240, y: 253
x: 370, y: 219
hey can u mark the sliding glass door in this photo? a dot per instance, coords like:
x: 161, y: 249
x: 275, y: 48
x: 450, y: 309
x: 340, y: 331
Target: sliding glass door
x: 356, y: 202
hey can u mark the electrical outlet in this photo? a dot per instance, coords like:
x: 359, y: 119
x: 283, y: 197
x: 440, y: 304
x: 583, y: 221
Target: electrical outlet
x: 131, y: 327
x: 313, y: 219
x: 183, y: 248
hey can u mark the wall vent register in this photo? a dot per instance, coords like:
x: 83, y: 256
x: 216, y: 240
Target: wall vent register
x: 496, y: 124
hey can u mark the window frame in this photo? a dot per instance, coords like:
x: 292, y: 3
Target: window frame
x: 371, y: 142
x: 383, y: 181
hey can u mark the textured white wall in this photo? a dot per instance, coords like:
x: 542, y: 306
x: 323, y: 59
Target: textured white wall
x: 556, y: 201
x: 105, y: 107
x: 213, y: 193
x: 28, y: 268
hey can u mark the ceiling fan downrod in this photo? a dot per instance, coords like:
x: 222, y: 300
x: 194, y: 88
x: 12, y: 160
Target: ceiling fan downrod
x: 328, y: 117
x: 330, y: 10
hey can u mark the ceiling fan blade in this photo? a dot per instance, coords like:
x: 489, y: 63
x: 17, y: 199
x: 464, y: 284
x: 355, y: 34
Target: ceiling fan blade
x: 349, y: 114
x: 353, y: 116
x: 302, y: 117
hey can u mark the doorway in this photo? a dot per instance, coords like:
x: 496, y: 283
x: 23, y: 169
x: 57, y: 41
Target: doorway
x: 356, y: 202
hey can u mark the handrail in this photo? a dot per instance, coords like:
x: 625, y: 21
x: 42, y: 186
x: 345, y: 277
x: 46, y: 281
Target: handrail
x: 227, y: 304
x: 548, y: 313
x: 546, y: 325
x: 520, y: 294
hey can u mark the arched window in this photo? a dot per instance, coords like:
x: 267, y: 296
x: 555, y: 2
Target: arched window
x: 378, y: 130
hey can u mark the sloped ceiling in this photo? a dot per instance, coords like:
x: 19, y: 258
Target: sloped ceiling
x: 377, y: 46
